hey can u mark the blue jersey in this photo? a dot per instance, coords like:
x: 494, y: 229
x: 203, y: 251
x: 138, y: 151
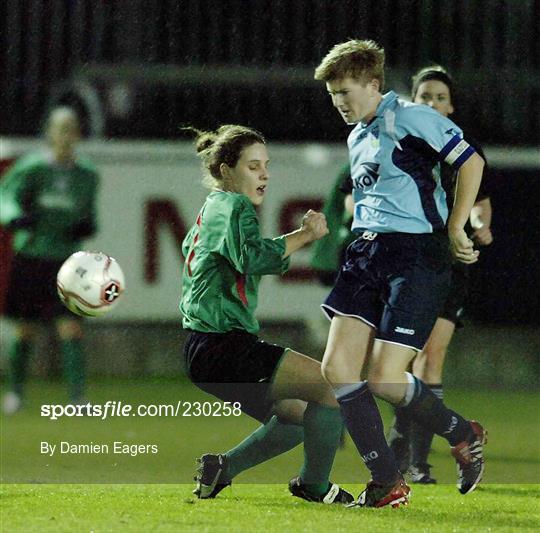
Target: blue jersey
x: 394, y: 167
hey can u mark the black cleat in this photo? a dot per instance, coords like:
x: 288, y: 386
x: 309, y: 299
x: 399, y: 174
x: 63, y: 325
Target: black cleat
x: 421, y: 474
x: 470, y: 459
x: 378, y: 495
x: 335, y: 493
x: 209, y: 476
x: 400, y: 445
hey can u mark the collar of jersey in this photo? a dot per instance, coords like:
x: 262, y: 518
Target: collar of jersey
x: 386, y: 101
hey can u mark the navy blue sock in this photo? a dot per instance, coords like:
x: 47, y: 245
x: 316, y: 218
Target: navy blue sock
x: 402, y: 422
x: 421, y: 438
x: 363, y: 420
x: 431, y: 413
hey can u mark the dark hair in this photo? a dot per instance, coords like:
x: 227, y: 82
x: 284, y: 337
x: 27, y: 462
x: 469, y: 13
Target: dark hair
x: 225, y: 145
x: 433, y: 72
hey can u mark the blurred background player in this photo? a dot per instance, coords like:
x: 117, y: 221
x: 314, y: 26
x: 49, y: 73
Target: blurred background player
x: 411, y: 443
x: 385, y: 300
x: 328, y: 253
x: 225, y: 257
x: 48, y: 203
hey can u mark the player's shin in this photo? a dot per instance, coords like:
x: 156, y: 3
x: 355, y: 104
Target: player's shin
x: 431, y: 413
x: 322, y: 433
x: 363, y: 420
x: 74, y: 368
x: 267, y: 441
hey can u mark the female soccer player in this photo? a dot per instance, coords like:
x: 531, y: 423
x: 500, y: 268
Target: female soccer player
x: 225, y: 257
x: 411, y: 443
x: 388, y: 293
x: 48, y: 203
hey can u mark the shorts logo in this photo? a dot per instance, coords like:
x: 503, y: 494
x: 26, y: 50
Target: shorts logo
x: 405, y: 331
x: 369, y: 235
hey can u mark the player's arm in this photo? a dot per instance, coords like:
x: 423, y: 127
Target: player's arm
x: 247, y: 251
x: 480, y: 219
x: 16, y: 198
x: 313, y: 228
x: 467, y: 185
x: 348, y: 204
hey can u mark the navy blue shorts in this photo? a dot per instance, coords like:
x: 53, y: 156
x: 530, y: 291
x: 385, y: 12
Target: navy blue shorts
x: 452, y: 309
x: 395, y: 282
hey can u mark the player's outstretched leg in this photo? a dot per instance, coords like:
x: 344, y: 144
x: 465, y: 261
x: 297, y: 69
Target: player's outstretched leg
x: 300, y: 377
x: 467, y: 438
x: 349, y: 338
x: 216, y: 471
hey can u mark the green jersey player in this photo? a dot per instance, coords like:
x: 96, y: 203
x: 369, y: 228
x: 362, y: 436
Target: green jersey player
x: 225, y: 257
x: 48, y: 203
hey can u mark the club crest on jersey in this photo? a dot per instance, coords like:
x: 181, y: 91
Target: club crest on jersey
x: 366, y: 175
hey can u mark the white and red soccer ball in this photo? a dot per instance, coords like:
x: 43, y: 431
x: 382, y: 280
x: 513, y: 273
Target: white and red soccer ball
x: 90, y: 283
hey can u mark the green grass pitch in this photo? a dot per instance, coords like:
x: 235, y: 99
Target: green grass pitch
x: 103, y: 492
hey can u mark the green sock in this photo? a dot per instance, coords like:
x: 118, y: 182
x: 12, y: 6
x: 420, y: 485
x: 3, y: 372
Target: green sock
x: 74, y: 367
x: 267, y: 441
x: 18, y: 364
x: 322, y: 433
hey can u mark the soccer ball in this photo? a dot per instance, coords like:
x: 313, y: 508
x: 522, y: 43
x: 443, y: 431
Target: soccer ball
x: 90, y: 283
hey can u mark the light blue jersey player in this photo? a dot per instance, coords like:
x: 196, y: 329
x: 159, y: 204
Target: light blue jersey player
x: 392, y: 162
x: 396, y: 274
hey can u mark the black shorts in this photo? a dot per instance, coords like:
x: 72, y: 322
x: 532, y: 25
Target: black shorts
x: 31, y: 293
x: 396, y: 283
x: 457, y: 296
x: 235, y: 366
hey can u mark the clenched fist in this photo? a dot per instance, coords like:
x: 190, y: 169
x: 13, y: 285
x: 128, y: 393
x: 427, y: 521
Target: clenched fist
x: 314, y: 224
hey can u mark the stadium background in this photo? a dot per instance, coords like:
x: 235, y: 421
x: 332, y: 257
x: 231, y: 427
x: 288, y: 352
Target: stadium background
x: 137, y: 70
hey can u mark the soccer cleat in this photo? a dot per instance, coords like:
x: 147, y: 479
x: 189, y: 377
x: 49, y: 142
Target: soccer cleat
x: 421, y: 474
x: 209, y: 476
x: 400, y: 445
x: 378, y: 495
x: 11, y: 403
x: 335, y: 493
x: 470, y: 459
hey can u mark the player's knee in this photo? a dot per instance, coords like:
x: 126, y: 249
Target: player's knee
x: 381, y: 382
x: 69, y: 329
x: 290, y: 411
x: 335, y: 374
x: 26, y: 331
x: 377, y: 388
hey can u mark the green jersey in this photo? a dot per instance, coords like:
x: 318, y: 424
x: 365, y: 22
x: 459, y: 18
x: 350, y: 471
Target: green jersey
x: 55, y: 198
x: 326, y: 255
x: 225, y: 257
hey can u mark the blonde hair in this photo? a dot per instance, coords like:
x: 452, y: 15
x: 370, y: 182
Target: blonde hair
x: 361, y: 60
x: 225, y: 145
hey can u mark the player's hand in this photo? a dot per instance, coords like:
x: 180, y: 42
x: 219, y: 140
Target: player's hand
x: 482, y: 236
x: 462, y: 247
x: 314, y: 225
